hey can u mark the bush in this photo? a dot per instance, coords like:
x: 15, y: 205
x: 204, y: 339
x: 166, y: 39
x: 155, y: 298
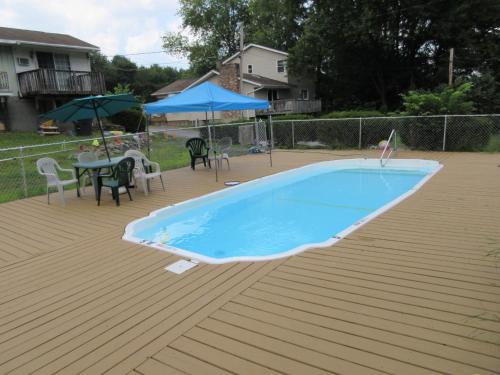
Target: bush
x: 424, y: 133
x: 341, y: 133
x: 444, y: 100
x: 132, y: 120
x: 463, y: 133
x: 353, y: 114
x: 468, y: 133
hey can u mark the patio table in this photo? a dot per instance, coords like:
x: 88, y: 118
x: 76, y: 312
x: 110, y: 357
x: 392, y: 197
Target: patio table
x: 95, y: 167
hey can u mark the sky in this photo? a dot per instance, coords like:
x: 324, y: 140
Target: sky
x: 116, y: 26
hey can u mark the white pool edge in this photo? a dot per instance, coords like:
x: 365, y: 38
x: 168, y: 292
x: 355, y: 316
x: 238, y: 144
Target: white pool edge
x: 202, y: 258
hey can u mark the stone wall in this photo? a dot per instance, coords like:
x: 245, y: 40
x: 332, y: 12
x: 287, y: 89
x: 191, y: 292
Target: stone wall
x: 229, y: 79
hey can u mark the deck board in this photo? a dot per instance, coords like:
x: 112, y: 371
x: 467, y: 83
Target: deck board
x: 415, y: 291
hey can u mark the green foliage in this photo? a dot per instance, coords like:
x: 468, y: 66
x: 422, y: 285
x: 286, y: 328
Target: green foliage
x: 372, y: 51
x: 120, y: 89
x: 214, y: 25
x: 293, y: 116
x: 335, y: 134
x: 283, y: 20
x: 122, y: 74
x: 447, y: 100
x: 485, y: 92
x: 132, y: 120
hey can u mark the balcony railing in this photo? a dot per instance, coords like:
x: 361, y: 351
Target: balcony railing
x: 4, y: 81
x: 285, y: 106
x: 61, y: 82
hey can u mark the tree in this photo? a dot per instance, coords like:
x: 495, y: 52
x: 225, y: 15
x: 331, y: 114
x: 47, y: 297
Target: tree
x: 123, y: 75
x: 213, y: 24
x: 368, y: 52
x: 276, y: 24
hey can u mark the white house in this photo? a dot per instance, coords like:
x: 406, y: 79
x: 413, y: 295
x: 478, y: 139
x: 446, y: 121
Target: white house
x: 39, y: 71
x: 265, y: 76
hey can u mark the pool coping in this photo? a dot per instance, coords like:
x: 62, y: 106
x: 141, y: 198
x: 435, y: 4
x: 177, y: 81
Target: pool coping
x: 127, y: 236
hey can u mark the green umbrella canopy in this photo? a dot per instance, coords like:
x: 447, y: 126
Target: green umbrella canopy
x: 92, y: 107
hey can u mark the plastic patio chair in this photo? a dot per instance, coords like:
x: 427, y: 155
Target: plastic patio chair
x: 222, y: 148
x: 198, y: 149
x: 120, y: 176
x: 85, y: 157
x: 145, y: 169
x: 49, y: 168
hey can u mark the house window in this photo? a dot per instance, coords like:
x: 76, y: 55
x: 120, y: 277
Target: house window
x: 272, y: 95
x: 281, y: 66
x: 48, y: 60
x: 250, y: 68
x: 304, y: 94
x: 61, y: 61
x: 23, y: 61
x: 45, y: 60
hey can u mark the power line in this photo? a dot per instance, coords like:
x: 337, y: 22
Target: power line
x: 136, y: 54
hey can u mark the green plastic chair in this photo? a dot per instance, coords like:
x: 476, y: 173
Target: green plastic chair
x: 120, y: 176
x: 198, y: 149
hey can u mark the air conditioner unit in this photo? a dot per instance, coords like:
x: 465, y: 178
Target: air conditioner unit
x: 23, y: 61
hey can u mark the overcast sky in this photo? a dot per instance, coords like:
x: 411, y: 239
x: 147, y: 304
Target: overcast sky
x: 116, y: 26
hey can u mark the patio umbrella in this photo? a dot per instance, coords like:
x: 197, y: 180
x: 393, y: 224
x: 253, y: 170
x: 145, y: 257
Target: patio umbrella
x: 92, y: 107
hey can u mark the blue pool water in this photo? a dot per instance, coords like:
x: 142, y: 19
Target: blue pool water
x: 276, y: 215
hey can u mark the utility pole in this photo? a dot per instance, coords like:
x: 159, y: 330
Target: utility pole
x: 242, y: 45
x: 450, y: 67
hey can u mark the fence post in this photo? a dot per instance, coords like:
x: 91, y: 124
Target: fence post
x: 23, y: 171
x: 444, y: 131
x: 360, y: 131
x: 293, y: 134
x: 271, y: 141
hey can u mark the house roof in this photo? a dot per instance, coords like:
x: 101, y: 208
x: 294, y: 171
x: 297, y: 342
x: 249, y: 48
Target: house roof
x: 264, y: 81
x: 20, y: 36
x: 203, y: 78
x: 174, y: 87
x: 255, y: 46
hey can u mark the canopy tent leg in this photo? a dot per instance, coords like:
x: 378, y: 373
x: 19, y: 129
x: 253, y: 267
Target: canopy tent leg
x: 215, y: 152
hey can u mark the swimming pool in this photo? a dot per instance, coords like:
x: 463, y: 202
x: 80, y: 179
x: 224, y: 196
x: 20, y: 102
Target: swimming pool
x: 282, y: 214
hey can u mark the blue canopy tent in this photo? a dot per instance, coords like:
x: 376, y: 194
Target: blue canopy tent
x: 206, y: 97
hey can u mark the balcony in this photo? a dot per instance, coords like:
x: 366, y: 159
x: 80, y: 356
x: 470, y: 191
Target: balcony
x: 287, y: 106
x: 4, y: 81
x: 60, y: 82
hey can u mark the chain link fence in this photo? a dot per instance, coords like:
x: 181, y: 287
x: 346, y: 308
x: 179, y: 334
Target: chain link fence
x: 19, y: 177
x: 425, y: 133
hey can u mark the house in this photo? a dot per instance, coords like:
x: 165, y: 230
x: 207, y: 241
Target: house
x: 265, y: 76
x: 39, y: 71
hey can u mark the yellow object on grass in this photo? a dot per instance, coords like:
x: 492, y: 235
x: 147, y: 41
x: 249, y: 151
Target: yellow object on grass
x: 95, y: 143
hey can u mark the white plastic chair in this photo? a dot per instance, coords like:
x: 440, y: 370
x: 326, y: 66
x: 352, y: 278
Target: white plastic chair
x: 141, y: 175
x: 85, y: 157
x: 222, y: 147
x: 49, y: 168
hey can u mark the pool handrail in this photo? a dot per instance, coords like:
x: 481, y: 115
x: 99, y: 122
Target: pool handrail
x: 382, y: 161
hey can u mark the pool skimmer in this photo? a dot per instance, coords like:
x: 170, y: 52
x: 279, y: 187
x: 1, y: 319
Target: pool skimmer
x: 181, y: 266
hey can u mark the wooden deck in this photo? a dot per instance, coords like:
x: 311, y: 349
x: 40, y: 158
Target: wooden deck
x: 415, y: 291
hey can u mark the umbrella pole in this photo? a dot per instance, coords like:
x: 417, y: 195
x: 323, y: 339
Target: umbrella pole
x: 102, y: 131
x: 147, y: 136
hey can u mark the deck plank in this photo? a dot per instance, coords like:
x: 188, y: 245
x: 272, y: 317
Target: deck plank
x: 414, y: 291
